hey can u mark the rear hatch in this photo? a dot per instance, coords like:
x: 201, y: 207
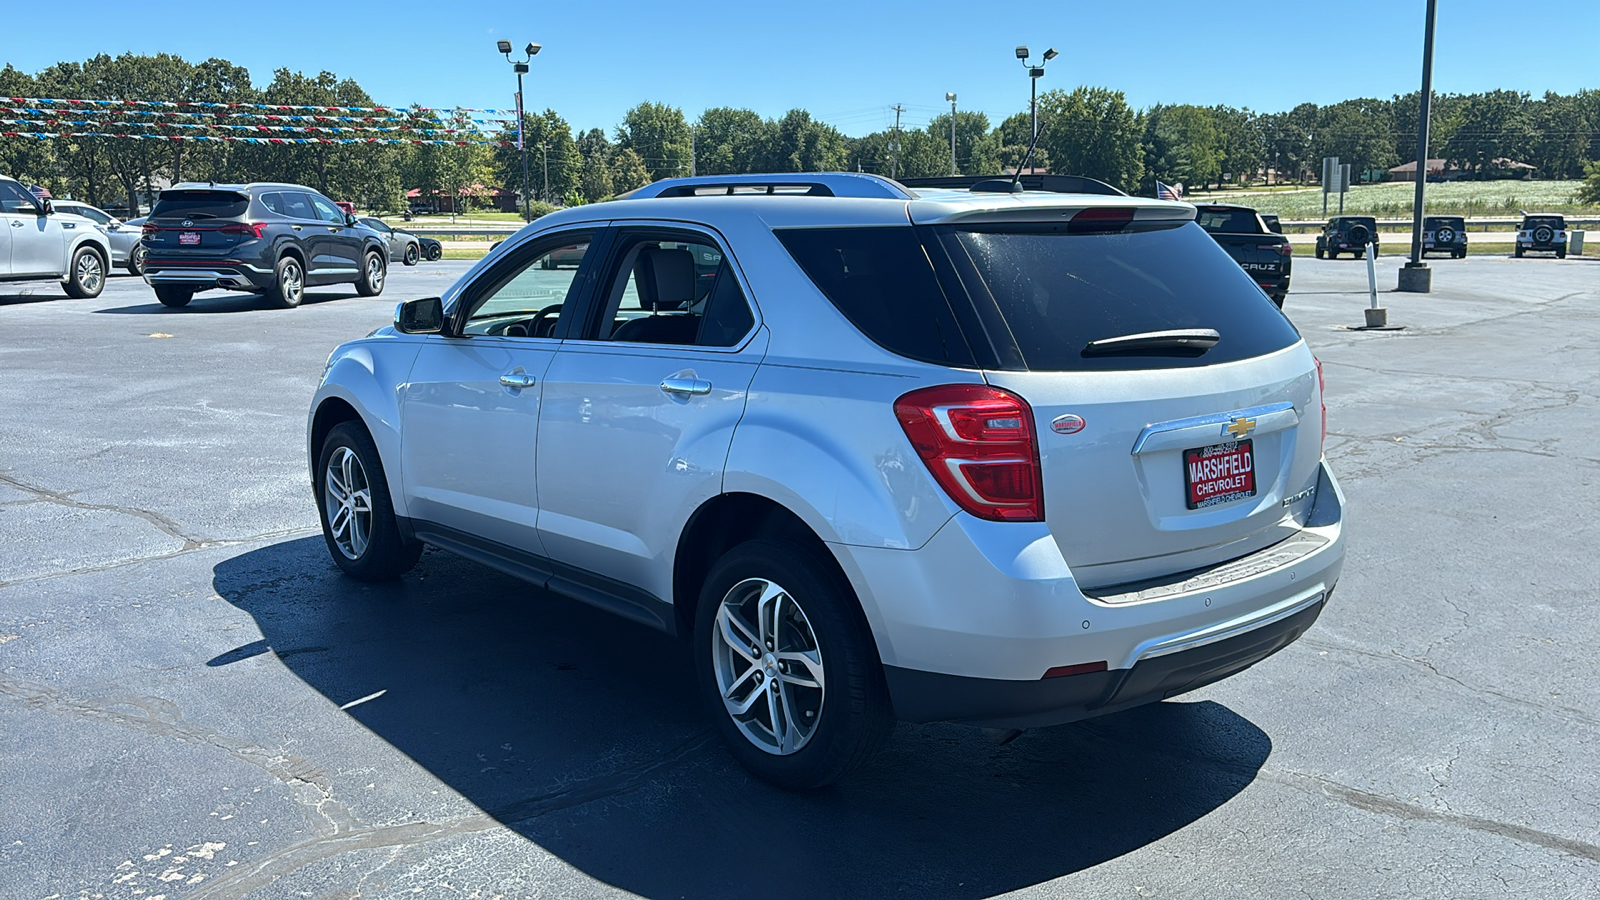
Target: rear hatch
x: 193, y: 225
x: 1158, y: 455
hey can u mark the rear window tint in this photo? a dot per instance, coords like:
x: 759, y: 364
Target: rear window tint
x: 1227, y: 221
x: 1368, y: 222
x: 882, y: 281
x: 1441, y: 222
x: 200, y: 205
x: 1055, y: 292
x: 1548, y: 221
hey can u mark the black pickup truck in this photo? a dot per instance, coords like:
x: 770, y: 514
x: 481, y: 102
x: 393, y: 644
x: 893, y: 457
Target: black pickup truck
x: 1265, y: 255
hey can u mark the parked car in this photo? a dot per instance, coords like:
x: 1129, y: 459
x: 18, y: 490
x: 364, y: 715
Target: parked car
x: 1444, y: 234
x: 1347, y: 234
x: 1267, y: 257
x: 1542, y: 233
x: 1005, y: 459
x: 124, y: 236
x: 346, y: 206
x: 38, y: 243
x: 271, y: 239
x: 1272, y: 222
x: 403, y: 245
x: 432, y: 250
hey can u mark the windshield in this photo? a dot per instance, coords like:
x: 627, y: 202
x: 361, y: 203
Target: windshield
x: 1054, y: 292
x: 200, y: 205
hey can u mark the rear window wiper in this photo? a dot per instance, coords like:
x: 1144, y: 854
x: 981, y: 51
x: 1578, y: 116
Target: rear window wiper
x: 1193, y: 339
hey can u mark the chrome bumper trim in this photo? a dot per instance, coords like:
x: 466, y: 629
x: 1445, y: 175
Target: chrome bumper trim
x: 1231, y: 628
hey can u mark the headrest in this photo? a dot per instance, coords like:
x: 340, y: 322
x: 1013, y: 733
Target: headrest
x: 667, y: 279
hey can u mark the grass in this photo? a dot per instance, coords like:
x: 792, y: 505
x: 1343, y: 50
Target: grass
x: 451, y: 253
x: 1476, y: 248
x: 1459, y: 198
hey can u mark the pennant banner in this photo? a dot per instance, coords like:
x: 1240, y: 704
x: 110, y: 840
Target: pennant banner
x: 44, y: 135
x: 392, y: 110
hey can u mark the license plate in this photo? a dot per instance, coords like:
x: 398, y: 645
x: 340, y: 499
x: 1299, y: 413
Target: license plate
x: 1219, y: 473
x: 189, y: 237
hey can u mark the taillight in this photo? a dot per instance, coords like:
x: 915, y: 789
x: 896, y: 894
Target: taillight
x: 979, y: 444
x: 1280, y: 249
x: 250, y: 229
x: 150, y: 228
x: 1322, y: 398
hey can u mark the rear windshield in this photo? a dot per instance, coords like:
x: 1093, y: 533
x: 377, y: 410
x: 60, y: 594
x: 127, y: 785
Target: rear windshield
x: 1227, y: 221
x: 1368, y: 222
x: 1441, y: 222
x: 1054, y: 292
x: 1547, y: 221
x: 200, y: 205
x: 881, y: 280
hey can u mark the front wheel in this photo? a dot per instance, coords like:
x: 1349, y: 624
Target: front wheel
x: 87, y: 276
x: 411, y: 255
x: 373, y: 272
x: 358, y: 521
x: 788, y: 667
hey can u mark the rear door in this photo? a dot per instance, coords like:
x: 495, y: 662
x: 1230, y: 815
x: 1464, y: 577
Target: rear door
x: 1157, y: 457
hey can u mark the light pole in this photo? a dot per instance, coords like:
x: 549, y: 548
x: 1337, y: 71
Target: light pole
x: 1034, y: 74
x: 952, y: 99
x: 1415, y: 276
x: 521, y: 68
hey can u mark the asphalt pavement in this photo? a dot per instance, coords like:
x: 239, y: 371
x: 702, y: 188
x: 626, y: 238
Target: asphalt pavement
x: 194, y: 703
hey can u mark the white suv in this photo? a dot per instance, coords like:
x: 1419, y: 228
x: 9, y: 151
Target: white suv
x: 39, y: 243
x: 1007, y: 459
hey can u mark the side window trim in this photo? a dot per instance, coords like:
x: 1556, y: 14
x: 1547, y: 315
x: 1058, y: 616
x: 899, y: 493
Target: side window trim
x: 601, y: 280
x: 525, y: 254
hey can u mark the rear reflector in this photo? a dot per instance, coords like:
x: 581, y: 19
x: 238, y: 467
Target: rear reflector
x: 1079, y: 669
x: 978, y: 443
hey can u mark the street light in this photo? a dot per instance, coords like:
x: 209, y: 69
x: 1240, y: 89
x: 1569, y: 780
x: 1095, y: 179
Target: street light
x: 952, y: 99
x: 1034, y: 74
x: 521, y: 68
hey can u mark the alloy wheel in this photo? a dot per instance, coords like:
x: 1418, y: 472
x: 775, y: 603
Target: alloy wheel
x: 768, y: 666
x: 375, y: 273
x: 90, y: 273
x: 293, y: 282
x: 347, y: 500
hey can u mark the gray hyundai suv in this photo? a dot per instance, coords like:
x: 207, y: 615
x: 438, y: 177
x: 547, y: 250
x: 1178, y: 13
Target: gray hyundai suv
x: 1002, y: 458
x: 270, y: 239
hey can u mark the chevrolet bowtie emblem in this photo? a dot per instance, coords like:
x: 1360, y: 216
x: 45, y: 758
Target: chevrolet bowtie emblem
x: 1241, y: 426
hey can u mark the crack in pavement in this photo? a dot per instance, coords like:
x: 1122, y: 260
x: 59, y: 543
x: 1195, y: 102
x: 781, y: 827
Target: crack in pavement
x: 162, y: 524
x: 173, y: 554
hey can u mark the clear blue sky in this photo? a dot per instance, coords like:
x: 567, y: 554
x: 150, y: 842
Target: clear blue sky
x: 847, y: 63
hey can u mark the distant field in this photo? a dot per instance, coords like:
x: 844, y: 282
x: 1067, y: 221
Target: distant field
x: 1460, y: 198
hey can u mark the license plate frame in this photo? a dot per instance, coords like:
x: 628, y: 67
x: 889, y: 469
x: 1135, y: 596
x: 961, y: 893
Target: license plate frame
x: 189, y: 238
x: 1232, y: 478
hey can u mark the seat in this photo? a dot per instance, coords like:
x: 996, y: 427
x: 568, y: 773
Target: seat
x: 666, y: 281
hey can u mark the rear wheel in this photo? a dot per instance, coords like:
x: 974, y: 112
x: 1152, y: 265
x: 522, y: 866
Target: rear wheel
x: 373, y: 271
x: 788, y: 667
x: 1517, y: 252
x: 136, y: 259
x: 358, y: 521
x: 1561, y: 252
x: 435, y: 252
x: 87, y: 276
x: 174, y: 295
x: 290, y: 287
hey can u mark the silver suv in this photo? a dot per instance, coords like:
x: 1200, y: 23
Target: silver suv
x: 39, y: 242
x: 969, y: 455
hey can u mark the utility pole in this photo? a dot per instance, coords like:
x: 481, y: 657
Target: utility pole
x: 1415, y: 275
x: 894, y: 145
x: 952, y: 99
x: 691, y: 151
x: 544, y: 151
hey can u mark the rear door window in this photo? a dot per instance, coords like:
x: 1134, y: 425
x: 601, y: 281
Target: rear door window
x: 1052, y: 292
x: 200, y: 205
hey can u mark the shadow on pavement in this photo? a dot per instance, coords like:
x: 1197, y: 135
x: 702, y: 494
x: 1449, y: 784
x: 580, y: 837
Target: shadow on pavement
x: 578, y: 730
x: 221, y: 303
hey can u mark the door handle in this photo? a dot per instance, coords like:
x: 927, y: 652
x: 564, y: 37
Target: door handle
x: 518, y: 381
x: 333, y: 229
x: 16, y: 224
x: 295, y: 227
x: 676, y: 385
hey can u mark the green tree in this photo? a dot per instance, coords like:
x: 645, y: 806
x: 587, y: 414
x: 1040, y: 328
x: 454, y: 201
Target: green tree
x: 1243, y: 146
x: 83, y: 169
x: 595, y: 150
x: 802, y: 144
x: 628, y: 171
x: 1010, y: 143
x: 730, y: 141
x: 29, y: 160
x: 1091, y: 131
x: 1360, y: 132
x: 212, y: 81
x: 551, y: 150
x: 1182, y: 145
x: 134, y: 77
x: 1494, y: 125
x: 971, y: 129
x: 1561, y: 132
x: 1590, y: 192
x: 659, y: 136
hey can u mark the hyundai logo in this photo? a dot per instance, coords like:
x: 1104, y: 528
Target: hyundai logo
x: 187, y: 223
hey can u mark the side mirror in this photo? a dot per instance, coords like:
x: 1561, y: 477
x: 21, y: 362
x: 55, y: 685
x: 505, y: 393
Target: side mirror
x: 46, y: 207
x: 350, y: 219
x: 425, y: 316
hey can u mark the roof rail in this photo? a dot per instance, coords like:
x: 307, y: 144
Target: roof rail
x: 1056, y: 184
x: 808, y: 184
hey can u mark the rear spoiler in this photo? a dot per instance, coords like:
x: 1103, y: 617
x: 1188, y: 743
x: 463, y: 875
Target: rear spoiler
x: 1055, y: 184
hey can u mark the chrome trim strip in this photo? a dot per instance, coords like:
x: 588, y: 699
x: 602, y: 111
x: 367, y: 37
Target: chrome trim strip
x: 1254, y: 412
x: 1231, y: 628
x: 187, y: 275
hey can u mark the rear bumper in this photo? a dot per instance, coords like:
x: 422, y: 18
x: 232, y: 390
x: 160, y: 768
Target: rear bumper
x: 968, y: 625
x: 200, y: 275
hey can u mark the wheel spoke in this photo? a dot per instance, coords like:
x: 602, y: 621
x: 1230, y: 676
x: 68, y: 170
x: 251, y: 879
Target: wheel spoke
x: 728, y: 624
x: 336, y: 487
x: 740, y: 707
x: 780, y: 730
x: 810, y: 661
x: 339, y: 521
x: 767, y: 608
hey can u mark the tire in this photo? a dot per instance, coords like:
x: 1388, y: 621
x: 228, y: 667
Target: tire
x: 411, y: 255
x: 174, y: 295
x: 1320, y: 253
x: 136, y: 260
x: 86, y: 276
x: 1561, y: 252
x: 1517, y: 252
x: 289, y: 284
x: 374, y: 270
x: 1277, y: 300
x: 1359, y: 235
x: 357, y: 473
x: 435, y: 253
x: 820, y: 621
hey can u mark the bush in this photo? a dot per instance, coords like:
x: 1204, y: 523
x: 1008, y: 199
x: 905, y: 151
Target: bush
x: 537, y: 209
x: 1590, y: 192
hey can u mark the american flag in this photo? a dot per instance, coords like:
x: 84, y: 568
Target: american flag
x: 1167, y: 192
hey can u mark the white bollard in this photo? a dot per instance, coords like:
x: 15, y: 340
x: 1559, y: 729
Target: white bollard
x: 1377, y: 316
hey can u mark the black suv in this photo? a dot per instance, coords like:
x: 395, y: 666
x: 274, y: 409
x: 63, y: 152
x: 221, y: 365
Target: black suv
x: 270, y: 239
x: 1347, y: 234
x: 1543, y: 233
x: 1444, y: 234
